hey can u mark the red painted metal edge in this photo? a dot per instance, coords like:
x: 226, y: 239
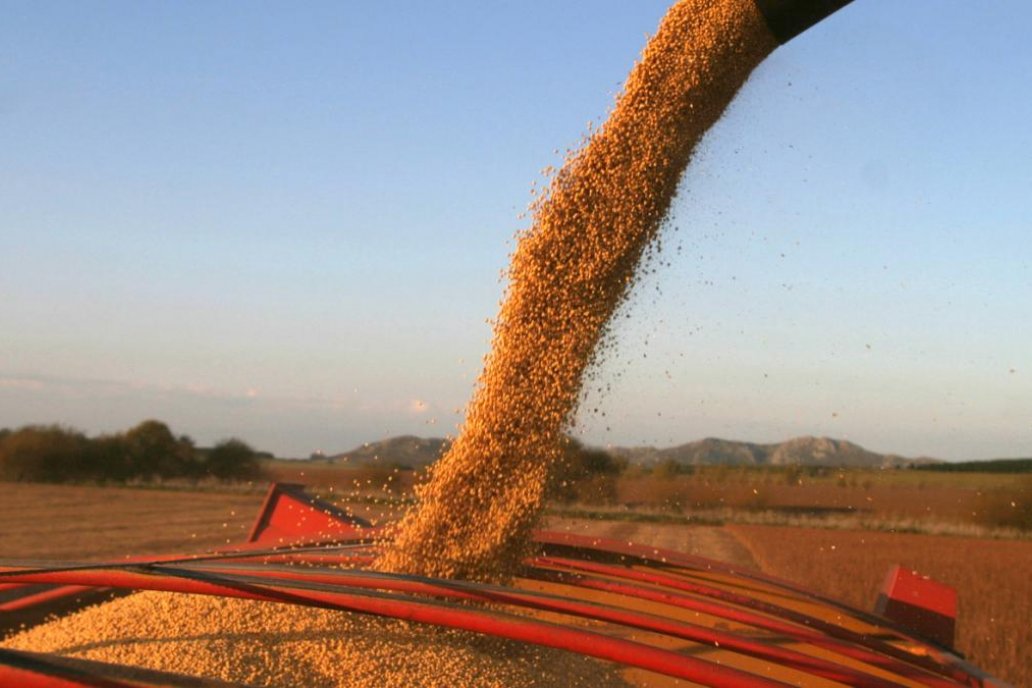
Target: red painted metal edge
x: 918, y: 603
x: 947, y: 669
x: 289, y: 512
x: 939, y: 660
x: 458, y: 590
x: 541, y: 601
x: 656, y: 556
x: 36, y: 670
x: 799, y: 633
x: 311, y: 551
x: 43, y: 597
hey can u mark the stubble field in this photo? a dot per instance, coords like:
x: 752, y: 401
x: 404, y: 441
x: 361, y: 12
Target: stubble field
x: 85, y: 522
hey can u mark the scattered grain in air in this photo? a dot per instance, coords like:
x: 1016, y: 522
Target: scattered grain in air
x: 570, y: 270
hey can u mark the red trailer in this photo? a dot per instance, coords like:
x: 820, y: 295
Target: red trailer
x: 718, y: 623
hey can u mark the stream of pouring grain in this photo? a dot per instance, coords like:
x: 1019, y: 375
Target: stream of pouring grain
x: 568, y: 274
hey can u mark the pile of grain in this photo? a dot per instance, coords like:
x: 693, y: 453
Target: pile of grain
x: 569, y: 273
x: 269, y: 644
x: 567, y: 276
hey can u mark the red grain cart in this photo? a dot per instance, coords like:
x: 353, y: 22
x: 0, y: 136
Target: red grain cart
x: 668, y: 613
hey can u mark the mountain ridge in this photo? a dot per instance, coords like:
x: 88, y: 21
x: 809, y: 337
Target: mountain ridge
x: 806, y: 450
x: 414, y: 452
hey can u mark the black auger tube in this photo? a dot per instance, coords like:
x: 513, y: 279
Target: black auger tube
x: 789, y: 18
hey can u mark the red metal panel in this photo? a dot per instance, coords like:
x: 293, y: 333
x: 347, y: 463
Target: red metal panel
x: 920, y: 604
x: 43, y: 597
x: 289, y: 514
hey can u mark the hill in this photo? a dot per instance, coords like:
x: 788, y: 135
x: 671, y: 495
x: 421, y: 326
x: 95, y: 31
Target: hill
x: 415, y: 452
x: 799, y: 451
x: 405, y: 451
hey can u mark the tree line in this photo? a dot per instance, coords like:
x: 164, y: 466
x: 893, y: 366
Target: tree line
x: 983, y: 466
x: 147, y: 452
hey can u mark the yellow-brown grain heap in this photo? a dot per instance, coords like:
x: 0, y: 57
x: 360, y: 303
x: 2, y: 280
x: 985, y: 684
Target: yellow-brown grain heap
x: 567, y: 276
x: 270, y: 644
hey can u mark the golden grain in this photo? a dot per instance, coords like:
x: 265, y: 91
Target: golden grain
x: 568, y: 274
x: 269, y: 644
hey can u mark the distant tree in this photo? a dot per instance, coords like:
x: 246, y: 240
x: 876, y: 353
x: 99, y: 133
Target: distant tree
x: 232, y: 459
x: 153, y: 451
x: 190, y: 463
x: 109, y: 458
x: 671, y: 468
x: 585, y: 474
x: 48, y: 453
x: 147, y: 451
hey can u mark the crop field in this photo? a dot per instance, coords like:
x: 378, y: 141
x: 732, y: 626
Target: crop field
x: 78, y: 522
x: 972, y: 504
x: 992, y: 578
x: 852, y: 498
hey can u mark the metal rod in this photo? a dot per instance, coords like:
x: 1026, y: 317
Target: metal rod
x: 802, y: 634
x: 460, y: 590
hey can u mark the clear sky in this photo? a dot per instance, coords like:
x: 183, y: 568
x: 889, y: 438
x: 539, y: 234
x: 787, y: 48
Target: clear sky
x: 286, y: 222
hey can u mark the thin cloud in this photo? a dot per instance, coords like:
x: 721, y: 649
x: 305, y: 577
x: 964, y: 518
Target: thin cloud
x: 21, y: 383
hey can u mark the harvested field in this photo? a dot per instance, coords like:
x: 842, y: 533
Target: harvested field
x: 994, y: 625
x: 856, y: 498
x: 340, y: 476
x: 712, y: 542
x: 88, y: 522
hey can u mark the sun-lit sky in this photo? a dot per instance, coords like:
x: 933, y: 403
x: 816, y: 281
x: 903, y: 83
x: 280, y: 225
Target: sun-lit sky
x: 286, y: 222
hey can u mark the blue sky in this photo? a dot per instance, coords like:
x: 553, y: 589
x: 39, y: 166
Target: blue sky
x: 286, y: 222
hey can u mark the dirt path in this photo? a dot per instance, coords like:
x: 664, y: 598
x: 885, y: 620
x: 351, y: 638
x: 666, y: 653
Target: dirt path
x: 712, y: 542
